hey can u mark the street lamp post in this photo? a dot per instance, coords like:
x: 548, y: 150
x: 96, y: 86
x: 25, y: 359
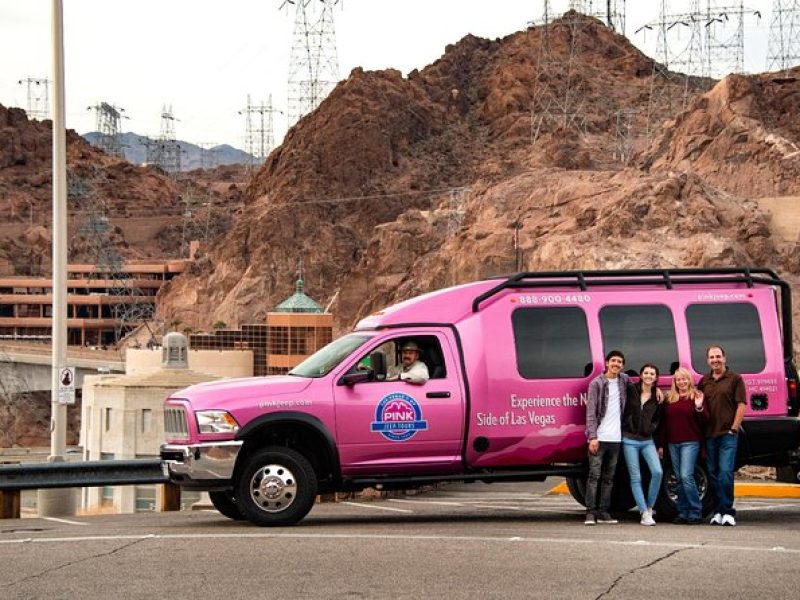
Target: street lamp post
x: 60, y: 501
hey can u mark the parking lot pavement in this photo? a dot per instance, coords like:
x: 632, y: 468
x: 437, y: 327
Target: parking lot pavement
x: 461, y: 541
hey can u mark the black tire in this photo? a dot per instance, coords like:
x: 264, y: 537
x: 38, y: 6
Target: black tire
x: 667, y: 504
x: 226, y: 505
x: 275, y: 487
x: 621, y: 497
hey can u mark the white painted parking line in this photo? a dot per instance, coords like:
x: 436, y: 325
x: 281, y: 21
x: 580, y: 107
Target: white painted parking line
x: 766, y: 506
x: 377, y: 507
x: 437, y: 502
x: 495, y: 506
x: 386, y: 538
x: 67, y: 521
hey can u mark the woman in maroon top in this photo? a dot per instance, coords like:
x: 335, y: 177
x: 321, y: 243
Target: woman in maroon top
x: 682, y: 432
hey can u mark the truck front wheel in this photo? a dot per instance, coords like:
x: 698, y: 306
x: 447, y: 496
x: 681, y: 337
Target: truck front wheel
x: 276, y: 486
x: 226, y: 505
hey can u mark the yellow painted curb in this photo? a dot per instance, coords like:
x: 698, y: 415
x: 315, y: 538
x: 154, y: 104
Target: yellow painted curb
x: 740, y: 490
x: 766, y: 490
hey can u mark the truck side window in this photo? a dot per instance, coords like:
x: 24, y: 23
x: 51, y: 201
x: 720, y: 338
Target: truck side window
x: 645, y: 333
x: 551, y: 343
x: 734, y: 326
x: 431, y: 354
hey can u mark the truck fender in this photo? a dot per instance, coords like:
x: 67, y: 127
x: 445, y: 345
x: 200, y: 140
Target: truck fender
x: 315, y: 432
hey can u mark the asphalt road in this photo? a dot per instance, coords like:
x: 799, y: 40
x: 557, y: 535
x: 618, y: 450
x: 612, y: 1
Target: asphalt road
x: 470, y: 541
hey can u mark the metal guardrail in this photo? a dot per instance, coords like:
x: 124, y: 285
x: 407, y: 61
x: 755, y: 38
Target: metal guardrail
x: 32, y: 476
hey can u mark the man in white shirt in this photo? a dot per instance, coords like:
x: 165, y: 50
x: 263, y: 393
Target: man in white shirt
x: 606, y: 399
x: 411, y: 369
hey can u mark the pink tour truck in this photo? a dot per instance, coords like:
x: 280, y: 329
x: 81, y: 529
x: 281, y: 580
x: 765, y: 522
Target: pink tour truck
x: 510, y: 361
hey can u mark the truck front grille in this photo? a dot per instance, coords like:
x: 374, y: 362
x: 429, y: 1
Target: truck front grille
x: 175, y: 426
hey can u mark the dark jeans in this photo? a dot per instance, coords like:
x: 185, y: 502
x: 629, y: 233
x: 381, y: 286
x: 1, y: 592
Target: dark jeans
x: 721, y: 460
x: 602, y: 467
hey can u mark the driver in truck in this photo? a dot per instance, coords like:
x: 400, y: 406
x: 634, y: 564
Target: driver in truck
x: 411, y: 368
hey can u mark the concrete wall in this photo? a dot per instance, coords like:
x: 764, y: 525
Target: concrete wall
x: 221, y: 363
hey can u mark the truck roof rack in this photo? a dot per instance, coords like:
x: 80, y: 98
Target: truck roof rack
x: 583, y: 280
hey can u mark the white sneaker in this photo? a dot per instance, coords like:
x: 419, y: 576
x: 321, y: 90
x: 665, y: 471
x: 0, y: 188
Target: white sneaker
x: 728, y: 520
x: 716, y: 519
x: 647, y: 518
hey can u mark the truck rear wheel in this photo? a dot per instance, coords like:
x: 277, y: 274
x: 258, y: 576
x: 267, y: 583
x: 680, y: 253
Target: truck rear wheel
x: 621, y: 497
x: 667, y: 504
x: 226, y: 505
x: 276, y: 486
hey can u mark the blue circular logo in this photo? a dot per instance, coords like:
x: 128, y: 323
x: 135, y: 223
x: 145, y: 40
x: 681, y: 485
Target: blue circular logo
x: 398, y: 417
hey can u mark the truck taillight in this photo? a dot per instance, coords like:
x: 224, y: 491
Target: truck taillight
x: 793, y: 389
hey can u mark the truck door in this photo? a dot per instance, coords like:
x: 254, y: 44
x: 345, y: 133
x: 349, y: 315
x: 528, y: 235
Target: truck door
x: 392, y: 426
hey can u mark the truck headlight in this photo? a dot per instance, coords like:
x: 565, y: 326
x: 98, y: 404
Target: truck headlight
x: 216, y: 421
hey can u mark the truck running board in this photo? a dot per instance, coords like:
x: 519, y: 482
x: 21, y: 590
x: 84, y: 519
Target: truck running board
x: 402, y: 482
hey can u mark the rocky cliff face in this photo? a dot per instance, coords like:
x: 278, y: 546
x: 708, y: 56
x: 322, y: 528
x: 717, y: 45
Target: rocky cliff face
x: 383, y: 150
x: 143, y: 205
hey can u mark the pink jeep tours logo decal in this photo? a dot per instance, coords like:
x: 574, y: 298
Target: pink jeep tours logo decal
x: 398, y: 417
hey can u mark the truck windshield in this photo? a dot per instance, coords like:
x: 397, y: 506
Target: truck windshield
x: 323, y: 361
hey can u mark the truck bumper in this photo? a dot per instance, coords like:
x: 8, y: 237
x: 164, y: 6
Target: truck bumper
x: 200, y: 465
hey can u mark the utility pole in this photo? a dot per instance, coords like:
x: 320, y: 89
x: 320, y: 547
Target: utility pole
x: 58, y: 502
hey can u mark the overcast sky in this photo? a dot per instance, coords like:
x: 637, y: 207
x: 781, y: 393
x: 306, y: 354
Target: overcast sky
x: 203, y: 57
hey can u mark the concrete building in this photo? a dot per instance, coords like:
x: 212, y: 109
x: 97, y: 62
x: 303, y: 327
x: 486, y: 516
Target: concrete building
x: 123, y: 416
x: 98, y: 303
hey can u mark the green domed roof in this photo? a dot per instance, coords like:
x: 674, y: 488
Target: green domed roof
x: 298, y: 302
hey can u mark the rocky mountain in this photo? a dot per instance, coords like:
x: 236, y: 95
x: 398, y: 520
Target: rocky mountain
x: 134, y: 146
x: 145, y: 209
x: 395, y: 186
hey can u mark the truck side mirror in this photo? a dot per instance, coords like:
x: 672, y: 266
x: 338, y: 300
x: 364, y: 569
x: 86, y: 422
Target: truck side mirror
x: 377, y: 361
x: 350, y: 379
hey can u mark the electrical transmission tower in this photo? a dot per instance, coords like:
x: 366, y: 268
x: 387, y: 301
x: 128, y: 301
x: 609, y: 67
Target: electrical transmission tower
x: 38, y: 97
x: 610, y: 12
x: 93, y: 238
x: 680, y: 67
x: 313, y: 63
x: 165, y: 152
x: 109, y: 118
x: 259, y: 139
x: 784, y: 36
x: 557, y: 95
x: 724, y: 39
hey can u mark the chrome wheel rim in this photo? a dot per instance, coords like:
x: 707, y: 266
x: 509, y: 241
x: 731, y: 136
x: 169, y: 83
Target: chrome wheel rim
x: 700, y: 479
x: 273, y: 488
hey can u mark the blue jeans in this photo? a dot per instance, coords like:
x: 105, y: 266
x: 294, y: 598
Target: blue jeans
x: 684, y: 458
x: 632, y: 450
x: 602, y: 467
x: 721, y: 461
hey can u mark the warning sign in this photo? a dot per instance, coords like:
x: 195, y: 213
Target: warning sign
x: 66, y: 385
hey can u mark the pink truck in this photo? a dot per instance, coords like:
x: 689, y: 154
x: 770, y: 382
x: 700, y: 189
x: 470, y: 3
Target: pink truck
x: 510, y: 361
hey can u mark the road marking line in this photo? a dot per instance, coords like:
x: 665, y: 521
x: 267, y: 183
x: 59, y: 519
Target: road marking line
x: 767, y: 507
x: 496, y: 506
x: 401, y: 510
x: 384, y: 537
x: 67, y: 521
x: 443, y: 503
